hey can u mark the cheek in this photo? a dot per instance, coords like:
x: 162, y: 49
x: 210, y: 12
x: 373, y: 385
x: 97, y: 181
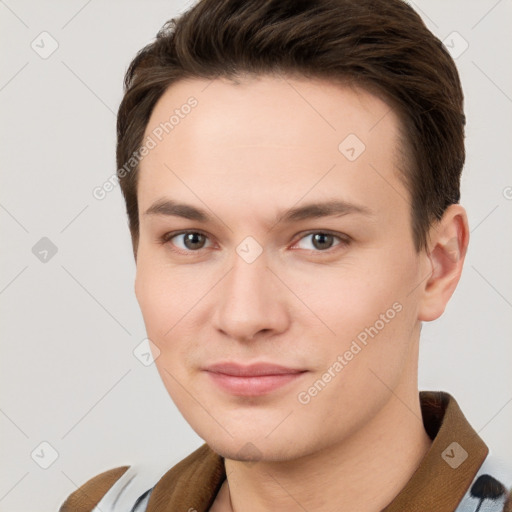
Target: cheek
x: 160, y: 297
x: 149, y: 291
x: 353, y: 297
x: 172, y: 301
x: 162, y: 306
x: 163, y: 291
x: 371, y: 313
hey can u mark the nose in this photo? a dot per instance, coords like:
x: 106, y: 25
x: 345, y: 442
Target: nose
x: 250, y: 301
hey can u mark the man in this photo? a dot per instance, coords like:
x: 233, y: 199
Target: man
x: 291, y: 173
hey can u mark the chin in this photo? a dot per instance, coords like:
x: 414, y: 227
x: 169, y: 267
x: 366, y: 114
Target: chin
x: 257, y: 449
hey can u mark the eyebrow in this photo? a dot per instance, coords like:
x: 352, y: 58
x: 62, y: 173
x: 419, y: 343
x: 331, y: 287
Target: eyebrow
x: 329, y: 208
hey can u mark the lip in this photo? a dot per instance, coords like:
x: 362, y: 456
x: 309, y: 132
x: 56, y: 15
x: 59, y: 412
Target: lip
x: 251, y: 380
x: 251, y: 370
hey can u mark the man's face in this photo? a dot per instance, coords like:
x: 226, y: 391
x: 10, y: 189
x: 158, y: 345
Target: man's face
x: 335, y: 296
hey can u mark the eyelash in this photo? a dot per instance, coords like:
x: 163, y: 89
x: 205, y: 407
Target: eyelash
x: 344, y: 240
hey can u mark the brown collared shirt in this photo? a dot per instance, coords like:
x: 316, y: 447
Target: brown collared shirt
x: 457, y: 474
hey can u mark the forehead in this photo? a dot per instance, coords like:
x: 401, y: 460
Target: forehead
x: 270, y: 138
x: 265, y: 103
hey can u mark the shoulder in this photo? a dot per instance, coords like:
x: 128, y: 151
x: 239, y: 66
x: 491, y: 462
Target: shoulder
x: 88, y: 495
x: 491, y: 486
x: 499, y: 468
x: 122, y: 488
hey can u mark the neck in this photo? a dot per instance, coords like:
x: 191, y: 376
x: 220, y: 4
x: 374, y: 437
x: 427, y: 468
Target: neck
x: 363, y: 473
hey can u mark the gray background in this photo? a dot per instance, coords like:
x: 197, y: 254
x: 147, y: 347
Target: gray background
x: 69, y: 324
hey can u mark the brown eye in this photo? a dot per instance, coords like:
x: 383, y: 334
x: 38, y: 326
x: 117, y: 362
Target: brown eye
x: 188, y: 241
x: 194, y: 240
x: 320, y: 241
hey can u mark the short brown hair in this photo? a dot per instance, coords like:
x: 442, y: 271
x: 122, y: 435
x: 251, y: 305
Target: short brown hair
x: 381, y: 45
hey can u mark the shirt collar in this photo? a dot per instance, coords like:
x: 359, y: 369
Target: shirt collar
x: 448, y: 468
x: 439, y: 482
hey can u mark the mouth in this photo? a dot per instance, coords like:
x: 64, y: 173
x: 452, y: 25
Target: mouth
x: 251, y: 380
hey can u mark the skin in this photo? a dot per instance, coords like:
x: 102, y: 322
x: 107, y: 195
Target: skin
x: 245, y: 154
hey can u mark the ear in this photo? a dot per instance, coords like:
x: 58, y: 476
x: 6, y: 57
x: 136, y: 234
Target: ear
x: 444, y: 257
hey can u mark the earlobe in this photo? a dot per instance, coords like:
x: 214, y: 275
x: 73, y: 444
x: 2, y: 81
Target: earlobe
x: 448, y: 244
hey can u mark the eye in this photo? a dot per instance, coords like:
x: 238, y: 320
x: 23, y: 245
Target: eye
x: 186, y: 241
x: 322, y: 241
x: 194, y: 241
